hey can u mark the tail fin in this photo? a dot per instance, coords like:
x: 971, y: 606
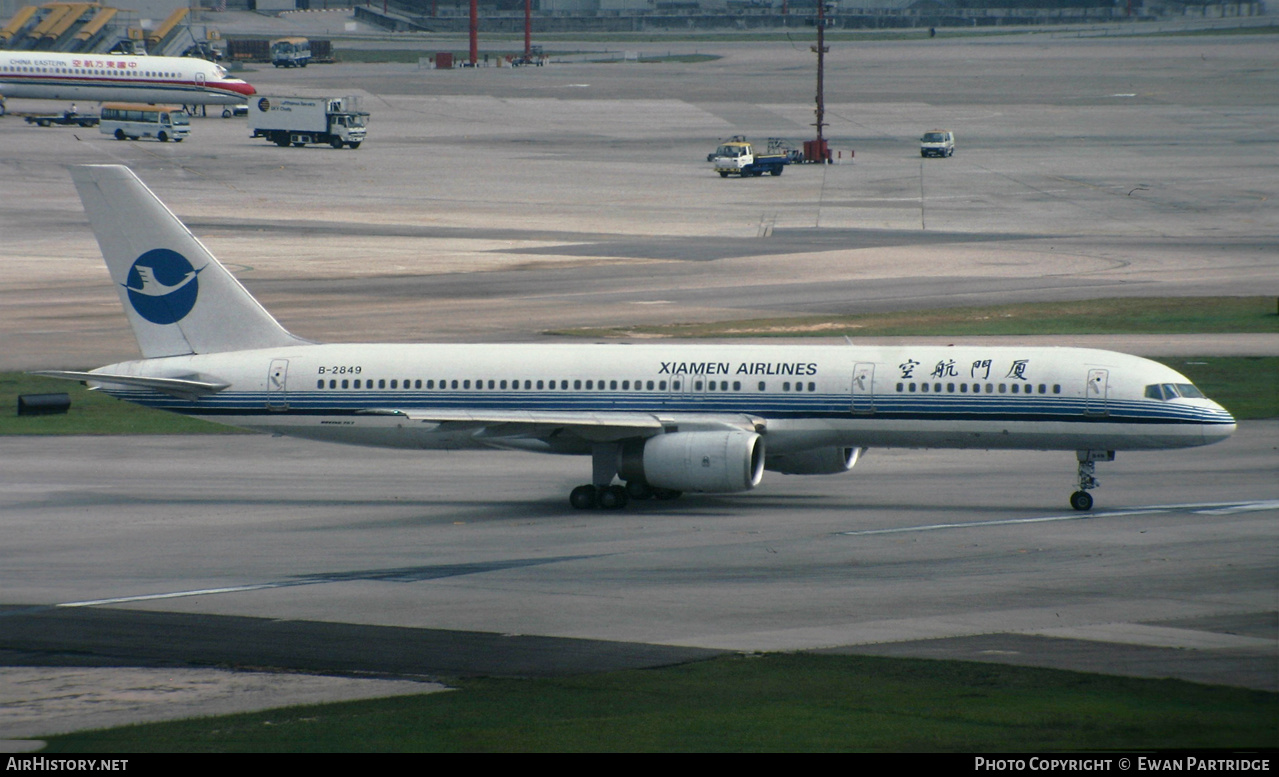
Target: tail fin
x: 179, y: 298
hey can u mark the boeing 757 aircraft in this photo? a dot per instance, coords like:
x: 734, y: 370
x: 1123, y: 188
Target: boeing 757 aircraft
x: 181, y: 80
x: 663, y: 419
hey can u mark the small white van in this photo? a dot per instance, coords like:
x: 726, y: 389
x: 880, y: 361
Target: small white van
x: 937, y: 143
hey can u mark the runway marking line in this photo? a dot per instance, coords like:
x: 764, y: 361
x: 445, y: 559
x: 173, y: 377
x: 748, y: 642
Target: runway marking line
x: 397, y: 575
x: 1209, y: 508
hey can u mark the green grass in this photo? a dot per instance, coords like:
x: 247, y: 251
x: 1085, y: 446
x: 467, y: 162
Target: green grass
x: 689, y: 58
x: 1246, y: 386
x: 806, y: 34
x: 1158, y: 315
x: 776, y: 702
x: 413, y: 55
x: 91, y: 412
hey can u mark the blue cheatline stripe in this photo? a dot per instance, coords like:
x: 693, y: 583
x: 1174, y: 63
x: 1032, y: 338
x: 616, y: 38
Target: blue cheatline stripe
x: 938, y: 408
x: 177, y: 89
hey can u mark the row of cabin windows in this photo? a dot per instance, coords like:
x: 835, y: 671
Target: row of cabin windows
x: 990, y: 388
x: 89, y: 71
x: 503, y: 385
x: 578, y: 385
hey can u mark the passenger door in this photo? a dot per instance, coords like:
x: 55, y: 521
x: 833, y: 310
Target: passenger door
x: 277, y: 397
x: 864, y: 387
x: 1096, y: 393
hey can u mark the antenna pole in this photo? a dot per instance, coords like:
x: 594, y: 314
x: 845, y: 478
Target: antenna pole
x: 820, y: 150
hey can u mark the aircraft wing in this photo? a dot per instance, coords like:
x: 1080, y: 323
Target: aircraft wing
x: 597, y: 426
x: 183, y: 388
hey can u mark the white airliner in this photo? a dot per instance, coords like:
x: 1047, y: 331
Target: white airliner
x: 178, y: 80
x: 663, y: 418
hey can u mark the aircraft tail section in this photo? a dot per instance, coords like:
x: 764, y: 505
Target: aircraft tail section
x: 178, y: 297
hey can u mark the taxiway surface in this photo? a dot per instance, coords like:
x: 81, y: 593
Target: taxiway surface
x: 499, y: 204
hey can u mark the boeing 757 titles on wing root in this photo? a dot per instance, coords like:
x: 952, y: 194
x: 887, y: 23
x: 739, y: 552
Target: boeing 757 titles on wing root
x: 663, y: 419
x: 142, y: 79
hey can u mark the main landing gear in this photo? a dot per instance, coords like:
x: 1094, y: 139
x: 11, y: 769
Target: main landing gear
x: 1081, y: 500
x: 615, y: 497
x: 602, y: 493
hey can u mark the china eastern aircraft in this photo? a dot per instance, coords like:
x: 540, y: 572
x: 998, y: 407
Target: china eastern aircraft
x: 179, y: 80
x: 662, y: 419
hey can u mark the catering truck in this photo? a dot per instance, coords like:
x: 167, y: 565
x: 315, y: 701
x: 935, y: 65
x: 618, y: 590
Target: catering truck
x: 739, y: 157
x: 298, y: 121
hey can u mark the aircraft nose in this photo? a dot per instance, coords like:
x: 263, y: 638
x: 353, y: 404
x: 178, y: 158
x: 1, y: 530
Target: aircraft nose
x: 1221, y: 426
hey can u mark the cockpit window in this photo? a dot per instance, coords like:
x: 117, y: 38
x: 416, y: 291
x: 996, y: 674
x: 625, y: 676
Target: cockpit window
x: 1167, y: 391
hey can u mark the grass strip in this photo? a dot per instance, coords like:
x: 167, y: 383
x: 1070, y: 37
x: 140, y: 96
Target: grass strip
x: 806, y: 35
x: 1155, y: 315
x: 92, y: 412
x: 1247, y: 386
x: 774, y: 702
x: 412, y: 56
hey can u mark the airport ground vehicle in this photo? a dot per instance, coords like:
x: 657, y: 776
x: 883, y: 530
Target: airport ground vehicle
x: 737, y: 156
x: 64, y: 119
x: 301, y: 120
x: 130, y: 121
x: 937, y: 143
x: 290, y: 52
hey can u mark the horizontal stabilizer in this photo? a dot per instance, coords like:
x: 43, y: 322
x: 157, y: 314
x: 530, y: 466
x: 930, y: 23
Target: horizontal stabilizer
x: 183, y: 388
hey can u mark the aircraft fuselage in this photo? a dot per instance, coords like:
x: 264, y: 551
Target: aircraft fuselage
x: 801, y: 397
x: 140, y: 79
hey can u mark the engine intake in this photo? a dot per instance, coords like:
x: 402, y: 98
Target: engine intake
x: 707, y: 462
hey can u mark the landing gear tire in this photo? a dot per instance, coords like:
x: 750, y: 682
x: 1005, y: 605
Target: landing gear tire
x: 1081, y: 501
x: 582, y: 498
x: 638, y: 489
x: 612, y: 498
x: 226, y: 113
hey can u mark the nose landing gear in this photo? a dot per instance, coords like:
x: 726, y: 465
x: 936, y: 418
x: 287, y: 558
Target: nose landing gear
x: 1081, y: 500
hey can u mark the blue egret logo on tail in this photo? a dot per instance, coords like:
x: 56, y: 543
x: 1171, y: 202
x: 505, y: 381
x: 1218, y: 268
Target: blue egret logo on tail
x: 162, y: 286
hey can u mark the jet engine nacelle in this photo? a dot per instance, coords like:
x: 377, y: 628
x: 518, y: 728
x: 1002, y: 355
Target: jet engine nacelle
x: 818, y: 461
x: 707, y: 462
